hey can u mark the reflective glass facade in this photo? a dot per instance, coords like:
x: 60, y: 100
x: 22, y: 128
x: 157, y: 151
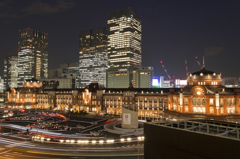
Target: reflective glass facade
x: 32, y: 55
x: 92, y: 56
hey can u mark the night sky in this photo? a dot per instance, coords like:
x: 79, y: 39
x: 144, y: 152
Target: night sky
x: 171, y: 30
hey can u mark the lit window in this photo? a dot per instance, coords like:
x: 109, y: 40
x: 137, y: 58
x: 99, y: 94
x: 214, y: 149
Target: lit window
x: 186, y: 109
x: 211, y: 101
x: 211, y: 110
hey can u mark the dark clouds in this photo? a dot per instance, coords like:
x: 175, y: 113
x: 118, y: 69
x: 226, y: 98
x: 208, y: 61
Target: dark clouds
x: 39, y: 7
x: 213, y: 51
x: 11, y: 8
x: 171, y: 30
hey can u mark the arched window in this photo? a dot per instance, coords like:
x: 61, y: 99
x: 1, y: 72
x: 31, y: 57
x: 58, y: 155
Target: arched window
x: 199, y: 102
x: 203, y: 102
x: 194, y: 101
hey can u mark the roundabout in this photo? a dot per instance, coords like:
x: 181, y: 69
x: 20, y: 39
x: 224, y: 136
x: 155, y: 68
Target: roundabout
x: 86, y: 137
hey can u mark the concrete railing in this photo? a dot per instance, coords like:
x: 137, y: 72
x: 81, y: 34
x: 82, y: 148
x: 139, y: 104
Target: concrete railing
x: 111, y: 127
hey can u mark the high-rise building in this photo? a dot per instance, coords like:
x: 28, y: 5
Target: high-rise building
x: 65, y: 82
x: 65, y: 70
x: 2, y: 88
x: 139, y: 77
x: 32, y: 55
x: 142, y: 77
x: 93, y: 56
x: 231, y: 81
x: 10, y: 71
x: 124, y: 39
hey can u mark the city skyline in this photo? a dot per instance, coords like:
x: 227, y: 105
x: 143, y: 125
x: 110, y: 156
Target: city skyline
x: 101, y: 79
x: 171, y: 31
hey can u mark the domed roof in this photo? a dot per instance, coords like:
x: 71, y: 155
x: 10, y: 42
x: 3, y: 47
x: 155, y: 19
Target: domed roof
x: 204, y: 71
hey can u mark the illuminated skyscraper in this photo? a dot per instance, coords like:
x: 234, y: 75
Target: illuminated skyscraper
x: 124, y: 48
x: 124, y: 39
x: 32, y: 55
x: 92, y: 56
x: 10, y: 71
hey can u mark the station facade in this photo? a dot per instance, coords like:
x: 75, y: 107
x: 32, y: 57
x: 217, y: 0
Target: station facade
x: 204, y: 95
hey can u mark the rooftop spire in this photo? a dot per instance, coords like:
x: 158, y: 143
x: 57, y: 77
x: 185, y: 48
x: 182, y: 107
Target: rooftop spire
x: 203, y: 63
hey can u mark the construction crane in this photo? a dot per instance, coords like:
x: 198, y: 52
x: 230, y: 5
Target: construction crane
x: 171, y: 79
x: 198, y: 63
x: 187, y: 73
x: 165, y: 70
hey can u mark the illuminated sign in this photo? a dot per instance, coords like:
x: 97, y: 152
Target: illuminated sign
x: 155, y: 82
x: 181, y: 82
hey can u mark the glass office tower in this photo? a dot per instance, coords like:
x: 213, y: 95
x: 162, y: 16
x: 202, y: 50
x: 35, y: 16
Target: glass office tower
x: 10, y: 71
x: 124, y: 39
x: 92, y: 56
x: 32, y: 55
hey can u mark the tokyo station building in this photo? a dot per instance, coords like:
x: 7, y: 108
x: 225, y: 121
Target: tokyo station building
x: 204, y: 95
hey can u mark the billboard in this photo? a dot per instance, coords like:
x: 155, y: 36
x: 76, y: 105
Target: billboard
x: 126, y: 118
x: 155, y: 82
x: 179, y: 82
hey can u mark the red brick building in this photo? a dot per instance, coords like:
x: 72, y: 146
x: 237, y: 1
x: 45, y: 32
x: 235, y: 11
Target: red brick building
x: 204, y: 95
